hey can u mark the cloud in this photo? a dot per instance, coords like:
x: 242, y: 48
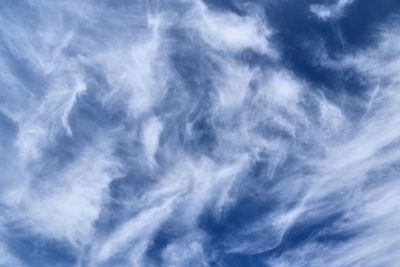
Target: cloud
x: 175, y: 134
x: 229, y: 32
x: 333, y: 11
x: 7, y: 259
x: 67, y: 205
x: 151, y: 135
x: 138, y: 232
x: 186, y: 251
x: 357, y: 176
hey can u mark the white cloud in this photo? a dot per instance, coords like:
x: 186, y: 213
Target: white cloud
x: 357, y: 175
x: 229, y: 32
x: 66, y: 205
x: 187, y: 251
x: 121, y: 61
x: 150, y: 137
x: 326, y: 12
x: 135, y: 235
x: 233, y: 85
x: 7, y: 259
x: 137, y: 70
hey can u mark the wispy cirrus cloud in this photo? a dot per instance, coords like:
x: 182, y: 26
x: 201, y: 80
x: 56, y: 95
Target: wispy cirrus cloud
x: 332, y: 11
x: 357, y: 178
x: 176, y: 134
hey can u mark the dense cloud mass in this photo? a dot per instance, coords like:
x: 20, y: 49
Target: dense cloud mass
x: 199, y: 133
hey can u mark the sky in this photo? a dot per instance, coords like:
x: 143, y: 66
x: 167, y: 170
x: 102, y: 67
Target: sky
x: 212, y: 133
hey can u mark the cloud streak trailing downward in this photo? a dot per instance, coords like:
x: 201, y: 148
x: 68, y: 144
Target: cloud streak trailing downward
x: 175, y: 133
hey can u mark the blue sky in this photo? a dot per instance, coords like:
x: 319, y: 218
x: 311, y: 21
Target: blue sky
x: 199, y: 133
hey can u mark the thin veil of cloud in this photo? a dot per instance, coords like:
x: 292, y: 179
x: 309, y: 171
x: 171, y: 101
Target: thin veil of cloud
x: 333, y: 11
x: 152, y: 133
